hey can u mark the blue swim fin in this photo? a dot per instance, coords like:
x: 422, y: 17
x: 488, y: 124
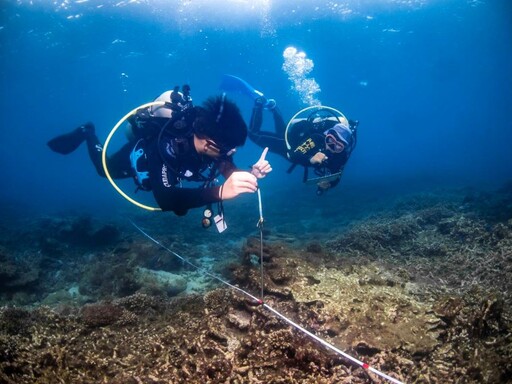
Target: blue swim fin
x: 232, y: 83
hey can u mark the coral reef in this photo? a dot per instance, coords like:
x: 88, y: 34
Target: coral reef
x: 16, y: 274
x: 421, y: 292
x: 447, y: 245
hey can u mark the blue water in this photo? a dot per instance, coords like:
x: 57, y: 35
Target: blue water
x: 429, y: 81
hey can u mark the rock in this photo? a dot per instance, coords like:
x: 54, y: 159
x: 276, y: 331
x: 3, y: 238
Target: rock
x: 161, y: 280
x: 239, y: 319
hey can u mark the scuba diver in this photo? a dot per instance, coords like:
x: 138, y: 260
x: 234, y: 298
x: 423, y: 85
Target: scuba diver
x: 173, y: 143
x: 318, y: 137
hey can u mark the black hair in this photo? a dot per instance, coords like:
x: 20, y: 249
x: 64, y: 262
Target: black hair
x: 220, y: 119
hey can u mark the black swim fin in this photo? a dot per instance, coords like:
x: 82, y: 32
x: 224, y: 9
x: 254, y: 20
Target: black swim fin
x: 67, y: 143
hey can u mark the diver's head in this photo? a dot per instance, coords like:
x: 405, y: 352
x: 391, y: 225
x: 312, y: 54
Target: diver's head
x: 338, y: 138
x: 220, y: 122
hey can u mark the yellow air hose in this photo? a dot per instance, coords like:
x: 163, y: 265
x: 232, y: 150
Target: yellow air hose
x: 104, y: 154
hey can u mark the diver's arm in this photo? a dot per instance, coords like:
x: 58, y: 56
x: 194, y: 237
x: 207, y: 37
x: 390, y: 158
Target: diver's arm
x: 227, y: 167
x: 165, y: 186
x: 335, y: 165
x: 256, y: 119
x: 180, y: 200
x: 279, y: 124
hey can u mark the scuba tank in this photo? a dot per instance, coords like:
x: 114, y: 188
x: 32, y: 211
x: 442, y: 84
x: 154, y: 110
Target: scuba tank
x: 148, y: 122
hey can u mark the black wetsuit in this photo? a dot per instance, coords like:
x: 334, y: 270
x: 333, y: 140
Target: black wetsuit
x: 273, y: 140
x: 304, y: 144
x: 169, y: 162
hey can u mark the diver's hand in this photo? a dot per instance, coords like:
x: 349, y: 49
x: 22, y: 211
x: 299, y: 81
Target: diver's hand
x: 323, y: 185
x: 239, y: 182
x: 319, y: 158
x: 262, y: 166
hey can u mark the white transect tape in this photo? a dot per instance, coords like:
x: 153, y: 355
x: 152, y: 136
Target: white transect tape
x: 281, y: 316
